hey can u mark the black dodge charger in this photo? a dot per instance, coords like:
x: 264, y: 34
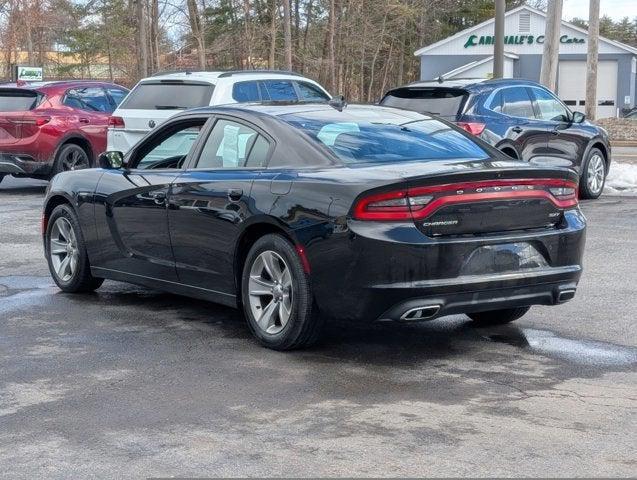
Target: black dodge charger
x: 297, y: 213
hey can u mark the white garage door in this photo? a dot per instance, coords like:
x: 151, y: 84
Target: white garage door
x: 571, y: 86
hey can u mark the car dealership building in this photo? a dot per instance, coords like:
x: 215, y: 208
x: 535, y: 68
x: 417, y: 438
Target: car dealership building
x: 469, y: 54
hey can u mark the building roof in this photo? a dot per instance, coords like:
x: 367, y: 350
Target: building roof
x: 541, y: 13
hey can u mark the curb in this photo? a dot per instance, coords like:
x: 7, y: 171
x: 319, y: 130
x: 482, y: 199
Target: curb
x: 623, y: 143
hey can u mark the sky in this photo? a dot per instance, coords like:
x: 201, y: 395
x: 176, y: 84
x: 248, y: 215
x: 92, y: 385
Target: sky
x: 616, y: 9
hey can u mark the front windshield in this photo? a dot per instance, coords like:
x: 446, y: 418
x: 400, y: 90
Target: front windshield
x: 364, y: 135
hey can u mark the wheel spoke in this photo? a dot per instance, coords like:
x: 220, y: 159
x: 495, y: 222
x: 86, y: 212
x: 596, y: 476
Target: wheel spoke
x: 57, y: 247
x: 271, y: 266
x: 64, y: 230
x: 64, y: 266
x: 267, y: 318
x: 285, y: 309
x: 286, y: 278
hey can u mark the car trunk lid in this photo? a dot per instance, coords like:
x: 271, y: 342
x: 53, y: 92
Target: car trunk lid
x: 15, y: 103
x: 481, y: 198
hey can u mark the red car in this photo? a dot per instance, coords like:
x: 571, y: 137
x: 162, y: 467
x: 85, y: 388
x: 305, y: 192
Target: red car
x: 49, y: 127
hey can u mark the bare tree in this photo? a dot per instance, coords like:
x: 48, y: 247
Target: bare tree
x: 287, y: 34
x: 142, y: 37
x: 197, y: 32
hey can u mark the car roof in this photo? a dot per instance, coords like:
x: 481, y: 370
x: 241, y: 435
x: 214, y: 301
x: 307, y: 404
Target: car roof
x: 214, y: 76
x: 469, y: 84
x: 277, y: 109
x: 57, y: 84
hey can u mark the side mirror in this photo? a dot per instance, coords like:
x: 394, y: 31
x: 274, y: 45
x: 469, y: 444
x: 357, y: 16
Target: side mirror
x: 111, y: 160
x: 578, y: 117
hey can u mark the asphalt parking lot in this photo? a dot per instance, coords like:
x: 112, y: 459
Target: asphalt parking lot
x: 133, y: 382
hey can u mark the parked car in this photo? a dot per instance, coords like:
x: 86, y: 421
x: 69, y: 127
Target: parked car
x: 50, y: 127
x: 631, y: 114
x: 523, y: 119
x: 157, y: 98
x: 362, y: 212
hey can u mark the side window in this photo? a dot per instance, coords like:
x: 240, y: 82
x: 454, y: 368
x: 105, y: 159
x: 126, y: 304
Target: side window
x: 279, y: 90
x: 550, y: 108
x: 169, y: 150
x: 311, y: 93
x: 517, y: 103
x: 259, y: 154
x: 246, y: 92
x: 233, y: 145
x: 92, y: 99
x: 496, y: 103
x: 117, y: 95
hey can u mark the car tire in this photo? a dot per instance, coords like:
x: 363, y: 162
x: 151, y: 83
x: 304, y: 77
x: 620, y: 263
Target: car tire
x: 277, y: 297
x: 593, y: 175
x: 71, y: 157
x: 497, y: 317
x: 63, y: 242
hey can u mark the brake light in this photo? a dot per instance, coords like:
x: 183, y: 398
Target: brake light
x: 474, y: 128
x: 116, y: 122
x: 420, y: 202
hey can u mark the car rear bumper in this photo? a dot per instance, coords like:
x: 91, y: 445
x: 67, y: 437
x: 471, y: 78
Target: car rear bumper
x: 22, y: 164
x: 376, y: 277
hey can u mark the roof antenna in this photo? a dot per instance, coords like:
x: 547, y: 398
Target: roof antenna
x: 338, y: 102
x: 440, y: 79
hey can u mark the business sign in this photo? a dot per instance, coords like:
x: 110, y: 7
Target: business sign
x: 475, y: 40
x: 29, y: 74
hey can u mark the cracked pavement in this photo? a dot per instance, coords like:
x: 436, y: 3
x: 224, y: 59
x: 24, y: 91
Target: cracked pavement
x: 130, y: 382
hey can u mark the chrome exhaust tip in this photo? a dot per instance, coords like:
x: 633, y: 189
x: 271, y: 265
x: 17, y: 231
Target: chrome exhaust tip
x: 420, y: 313
x: 565, y: 295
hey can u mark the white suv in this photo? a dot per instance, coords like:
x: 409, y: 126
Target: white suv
x: 157, y: 98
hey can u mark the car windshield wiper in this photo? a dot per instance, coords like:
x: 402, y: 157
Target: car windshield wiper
x: 168, y: 107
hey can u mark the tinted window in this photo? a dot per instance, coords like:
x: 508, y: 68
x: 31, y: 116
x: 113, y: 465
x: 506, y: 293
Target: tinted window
x: 311, y: 93
x: 232, y: 145
x: 259, y: 154
x: 550, y: 108
x: 278, y: 91
x: 437, y: 101
x: 517, y: 103
x: 370, y: 135
x: 246, y: 92
x: 172, y: 147
x: 117, y: 94
x: 18, y: 101
x: 93, y: 99
x: 496, y: 103
x: 168, y: 96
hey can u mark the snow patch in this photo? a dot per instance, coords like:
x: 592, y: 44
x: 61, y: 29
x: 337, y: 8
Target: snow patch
x: 622, y: 179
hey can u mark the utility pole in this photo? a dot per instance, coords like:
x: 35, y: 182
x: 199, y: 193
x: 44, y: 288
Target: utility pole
x: 498, y: 46
x: 548, y: 74
x: 591, y: 59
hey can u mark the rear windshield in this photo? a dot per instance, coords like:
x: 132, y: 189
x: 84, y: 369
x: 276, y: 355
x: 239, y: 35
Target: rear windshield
x: 18, y: 101
x: 436, y: 101
x: 168, y: 96
x: 366, y: 135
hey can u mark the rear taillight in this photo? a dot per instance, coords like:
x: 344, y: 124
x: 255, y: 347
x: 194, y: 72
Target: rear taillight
x: 474, y: 128
x: 116, y: 122
x: 420, y: 202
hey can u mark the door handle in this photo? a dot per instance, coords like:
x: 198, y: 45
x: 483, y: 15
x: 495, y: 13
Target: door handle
x: 517, y: 129
x: 235, y: 194
x: 84, y: 120
x: 159, y: 197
